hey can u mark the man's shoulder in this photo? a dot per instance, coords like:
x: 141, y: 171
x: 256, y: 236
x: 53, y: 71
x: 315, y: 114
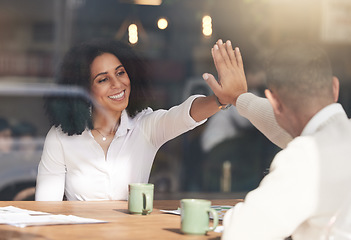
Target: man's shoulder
x: 298, y: 149
x: 338, y: 125
x: 336, y: 134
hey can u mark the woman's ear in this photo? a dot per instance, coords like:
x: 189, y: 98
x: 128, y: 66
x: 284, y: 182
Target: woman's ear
x: 274, y: 101
x: 336, y: 87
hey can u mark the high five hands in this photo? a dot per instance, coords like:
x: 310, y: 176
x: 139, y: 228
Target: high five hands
x: 231, y: 76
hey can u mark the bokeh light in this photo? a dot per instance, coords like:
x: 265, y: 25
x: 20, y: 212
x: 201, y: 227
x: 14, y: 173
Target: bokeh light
x: 162, y: 23
x: 207, y: 26
x: 133, y: 33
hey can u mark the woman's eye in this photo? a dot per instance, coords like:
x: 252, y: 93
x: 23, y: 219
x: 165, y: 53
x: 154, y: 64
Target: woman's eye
x: 102, y: 80
x: 120, y: 73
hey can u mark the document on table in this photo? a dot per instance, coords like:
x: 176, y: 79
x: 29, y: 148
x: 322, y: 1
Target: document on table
x: 22, y: 218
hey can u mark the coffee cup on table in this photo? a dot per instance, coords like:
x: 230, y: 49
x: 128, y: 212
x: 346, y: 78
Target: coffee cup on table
x: 140, y: 198
x: 195, y: 216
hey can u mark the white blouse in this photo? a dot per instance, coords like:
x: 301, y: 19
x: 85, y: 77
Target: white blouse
x: 77, y: 167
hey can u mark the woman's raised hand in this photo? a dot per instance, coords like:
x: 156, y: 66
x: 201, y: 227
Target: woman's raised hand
x: 231, y: 76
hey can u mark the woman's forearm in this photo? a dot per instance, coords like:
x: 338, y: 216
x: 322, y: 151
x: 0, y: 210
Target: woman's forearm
x: 203, y: 108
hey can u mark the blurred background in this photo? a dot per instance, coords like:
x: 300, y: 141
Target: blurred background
x: 226, y: 157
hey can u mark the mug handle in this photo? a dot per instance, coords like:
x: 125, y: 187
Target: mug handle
x: 215, y: 219
x: 147, y: 203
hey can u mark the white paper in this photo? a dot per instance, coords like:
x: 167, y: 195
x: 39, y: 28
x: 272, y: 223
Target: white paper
x: 22, y: 218
x: 12, y: 209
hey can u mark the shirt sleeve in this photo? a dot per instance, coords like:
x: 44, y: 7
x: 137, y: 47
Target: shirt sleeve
x: 260, y: 113
x: 51, y: 170
x: 286, y: 197
x: 163, y: 125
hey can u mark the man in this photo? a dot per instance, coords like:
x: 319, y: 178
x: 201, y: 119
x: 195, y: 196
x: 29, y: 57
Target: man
x: 310, y: 177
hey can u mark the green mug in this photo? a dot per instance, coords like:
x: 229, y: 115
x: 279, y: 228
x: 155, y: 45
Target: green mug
x: 195, y: 217
x: 140, y: 198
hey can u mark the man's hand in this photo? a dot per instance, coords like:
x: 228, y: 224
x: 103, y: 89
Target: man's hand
x: 229, y: 65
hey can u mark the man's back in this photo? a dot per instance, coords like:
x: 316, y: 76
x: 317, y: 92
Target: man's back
x: 308, y: 181
x: 332, y: 173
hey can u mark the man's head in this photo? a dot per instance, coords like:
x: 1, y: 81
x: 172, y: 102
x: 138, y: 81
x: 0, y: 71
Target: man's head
x: 300, y: 83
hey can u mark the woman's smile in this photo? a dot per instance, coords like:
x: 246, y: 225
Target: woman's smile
x: 118, y: 96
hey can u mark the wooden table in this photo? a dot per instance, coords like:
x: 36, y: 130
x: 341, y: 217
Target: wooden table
x: 121, y: 224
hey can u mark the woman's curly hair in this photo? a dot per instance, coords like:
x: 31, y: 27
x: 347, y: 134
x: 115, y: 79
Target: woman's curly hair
x: 73, y: 113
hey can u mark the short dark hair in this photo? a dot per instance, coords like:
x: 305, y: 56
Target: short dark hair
x: 299, y: 71
x: 73, y: 114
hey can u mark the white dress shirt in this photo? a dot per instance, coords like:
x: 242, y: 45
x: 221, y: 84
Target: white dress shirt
x: 307, y: 183
x: 76, y: 165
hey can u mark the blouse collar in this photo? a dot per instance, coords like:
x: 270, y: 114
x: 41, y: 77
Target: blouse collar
x: 125, y: 124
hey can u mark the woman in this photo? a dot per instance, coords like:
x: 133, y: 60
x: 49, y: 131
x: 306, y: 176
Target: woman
x: 87, y: 156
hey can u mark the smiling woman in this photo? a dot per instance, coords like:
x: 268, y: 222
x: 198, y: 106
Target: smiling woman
x: 110, y: 87
x: 96, y: 148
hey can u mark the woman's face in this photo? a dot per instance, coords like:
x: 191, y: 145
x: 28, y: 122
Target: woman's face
x: 110, y: 83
